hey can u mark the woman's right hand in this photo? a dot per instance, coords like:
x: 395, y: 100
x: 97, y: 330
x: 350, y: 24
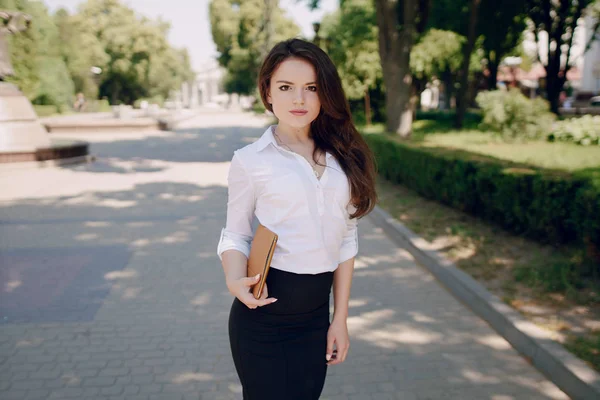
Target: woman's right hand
x: 240, y: 288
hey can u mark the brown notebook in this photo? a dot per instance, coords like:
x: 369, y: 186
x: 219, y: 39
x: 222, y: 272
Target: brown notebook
x: 261, y: 253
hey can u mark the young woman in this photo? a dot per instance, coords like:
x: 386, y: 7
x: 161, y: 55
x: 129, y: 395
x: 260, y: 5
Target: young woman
x: 308, y: 179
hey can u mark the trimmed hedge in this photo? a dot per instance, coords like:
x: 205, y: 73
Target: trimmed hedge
x: 550, y: 206
x: 46, y: 110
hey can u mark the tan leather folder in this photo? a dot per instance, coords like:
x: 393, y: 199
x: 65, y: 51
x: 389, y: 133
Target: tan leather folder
x: 261, y: 253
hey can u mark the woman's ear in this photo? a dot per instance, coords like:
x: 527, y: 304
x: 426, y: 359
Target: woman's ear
x: 269, y: 99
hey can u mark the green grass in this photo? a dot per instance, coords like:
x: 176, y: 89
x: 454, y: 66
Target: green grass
x: 564, y: 156
x: 440, y: 133
x: 586, y: 348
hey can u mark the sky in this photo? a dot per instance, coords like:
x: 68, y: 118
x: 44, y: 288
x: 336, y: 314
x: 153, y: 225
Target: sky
x: 190, y: 26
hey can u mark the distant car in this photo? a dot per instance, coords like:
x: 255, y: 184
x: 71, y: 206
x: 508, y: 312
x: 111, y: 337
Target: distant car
x: 595, y: 101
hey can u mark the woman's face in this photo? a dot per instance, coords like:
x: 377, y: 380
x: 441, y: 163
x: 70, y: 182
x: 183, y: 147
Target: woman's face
x: 293, y: 87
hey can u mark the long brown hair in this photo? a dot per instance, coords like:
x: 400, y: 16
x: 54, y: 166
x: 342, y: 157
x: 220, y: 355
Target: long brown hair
x: 333, y: 130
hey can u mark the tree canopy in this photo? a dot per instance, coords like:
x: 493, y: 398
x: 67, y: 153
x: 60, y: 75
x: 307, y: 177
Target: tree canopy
x: 243, y: 31
x: 53, y: 59
x: 351, y: 41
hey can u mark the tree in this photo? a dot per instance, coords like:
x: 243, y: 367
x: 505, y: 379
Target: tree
x: 438, y: 54
x: 54, y: 57
x: 399, y: 24
x: 243, y: 30
x: 138, y: 60
x: 351, y: 42
x: 40, y: 71
x: 497, y: 30
x: 461, y: 17
x: 503, y: 36
x: 467, y: 50
x: 558, y: 18
x: 81, y: 50
x: 23, y: 53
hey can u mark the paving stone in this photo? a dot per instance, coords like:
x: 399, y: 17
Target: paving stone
x: 166, y: 396
x: 129, y: 397
x: 150, y: 388
x: 67, y: 393
x: 45, y: 374
x: 13, y: 394
x: 124, y: 380
x: 26, y: 385
x: 113, y: 390
x: 131, y: 389
x: 383, y: 396
x: 142, y: 379
x: 361, y: 396
x: 36, y: 394
x: 116, y: 371
x: 29, y: 367
x: 103, y: 381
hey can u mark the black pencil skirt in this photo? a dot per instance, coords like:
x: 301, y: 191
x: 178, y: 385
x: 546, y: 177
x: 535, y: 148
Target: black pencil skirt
x: 279, y: 349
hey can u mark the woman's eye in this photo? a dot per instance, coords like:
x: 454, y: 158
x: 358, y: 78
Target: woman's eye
x: 312, y: 88
x: 284, y: 87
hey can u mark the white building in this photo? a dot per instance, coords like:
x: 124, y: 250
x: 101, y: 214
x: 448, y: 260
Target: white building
x: 206, y: 89
x: 209, y: 84
x: 590, y: 80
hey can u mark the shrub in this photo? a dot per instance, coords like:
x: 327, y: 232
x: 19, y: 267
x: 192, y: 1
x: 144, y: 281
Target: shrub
x: 448, y: 116
x: 549, y: 206
x: 98, y: 106
x: 45, y: 110
x: 584, y: 131
x: 514, y: 116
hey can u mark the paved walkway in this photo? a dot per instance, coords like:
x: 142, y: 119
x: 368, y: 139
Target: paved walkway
x: 111, y: 288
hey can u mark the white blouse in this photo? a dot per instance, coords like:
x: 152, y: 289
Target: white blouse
x: 311, y: 216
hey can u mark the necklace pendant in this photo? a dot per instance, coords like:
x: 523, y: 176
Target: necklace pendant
x: 316, y: 173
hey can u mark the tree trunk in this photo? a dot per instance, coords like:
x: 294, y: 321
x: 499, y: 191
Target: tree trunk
x: 395, y: 45
x: 367, y: 107
x: 554, y: 85
x: 448, y: 88
x: 559, y: 20
x: 492, y: 80
x: 464, y: 79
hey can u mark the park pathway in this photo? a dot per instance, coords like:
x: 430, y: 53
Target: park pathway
x: 111, y: 287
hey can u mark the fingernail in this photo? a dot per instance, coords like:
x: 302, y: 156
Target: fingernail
x: 328, y: 357
x: 274, y: 300
x: 256, y: 277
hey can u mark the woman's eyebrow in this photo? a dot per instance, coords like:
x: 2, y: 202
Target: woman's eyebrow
x: 291, y: 83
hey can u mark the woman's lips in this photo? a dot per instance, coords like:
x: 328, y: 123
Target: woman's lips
x: 299, y: 112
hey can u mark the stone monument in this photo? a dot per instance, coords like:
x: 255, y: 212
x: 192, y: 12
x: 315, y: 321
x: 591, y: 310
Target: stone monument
x: 22, y: 136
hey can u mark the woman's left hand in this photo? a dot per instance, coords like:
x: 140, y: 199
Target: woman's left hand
x: 338, y: 336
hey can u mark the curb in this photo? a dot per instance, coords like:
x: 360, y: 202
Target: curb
x: 566, y: 371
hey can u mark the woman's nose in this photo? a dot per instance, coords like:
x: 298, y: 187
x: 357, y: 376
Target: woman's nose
x: 299, y: 97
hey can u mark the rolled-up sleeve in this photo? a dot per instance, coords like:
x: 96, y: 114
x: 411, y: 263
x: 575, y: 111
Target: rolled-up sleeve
x: 349, y: 247
x: 237, y: 233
